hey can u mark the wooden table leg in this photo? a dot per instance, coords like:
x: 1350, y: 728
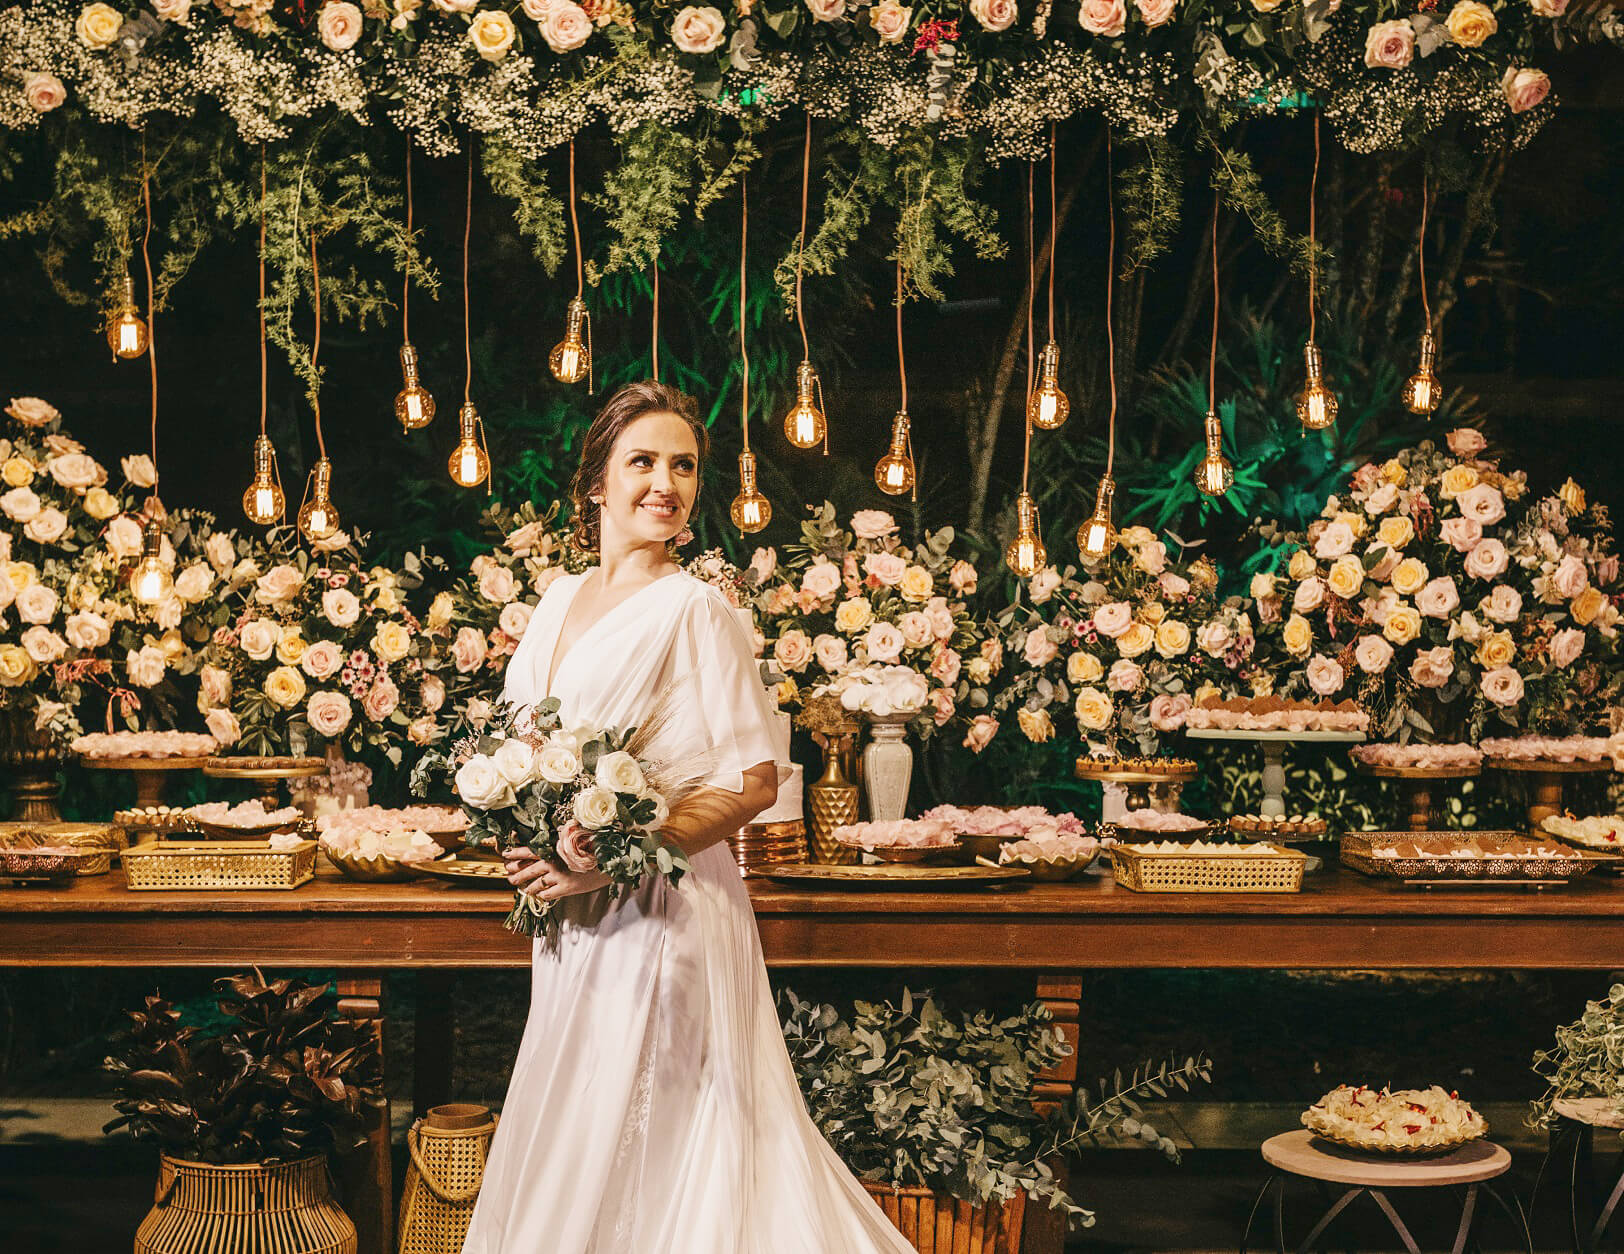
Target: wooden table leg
x: 1045, y: 1230
x: 434, y: 1043
x: 366, y: 1176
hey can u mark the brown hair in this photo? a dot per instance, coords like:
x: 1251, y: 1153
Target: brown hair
x: 624, y: 407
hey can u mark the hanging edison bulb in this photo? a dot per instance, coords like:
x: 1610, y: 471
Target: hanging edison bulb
x: 469, y: 463
x: 1422, y: 391
x: 1316, y: 403
x: 318, y: 520
x: 264, y: 501
x: 1098, y: 534
x: 414, y: 406
x: 894, y: 473
x: 1213, y: 474
x: 571, y: 357
x: 805, y: 425
x: 750, y: 510
x: 1026, y: 554
x: 150, y: 581
x: 1048, y: 407
x: 126, y: 332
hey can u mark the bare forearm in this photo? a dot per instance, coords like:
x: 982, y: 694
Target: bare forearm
x: 710, y: 815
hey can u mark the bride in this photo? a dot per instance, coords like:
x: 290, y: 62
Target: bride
x: 653, y: 1108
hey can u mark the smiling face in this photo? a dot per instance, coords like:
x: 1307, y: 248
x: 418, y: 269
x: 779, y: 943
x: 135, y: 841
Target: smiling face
x: 650, y: 483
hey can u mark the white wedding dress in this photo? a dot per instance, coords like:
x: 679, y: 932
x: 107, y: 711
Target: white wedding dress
x: 653, y: 1108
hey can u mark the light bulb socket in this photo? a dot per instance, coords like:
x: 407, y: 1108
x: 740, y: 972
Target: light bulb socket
x: 264, y: 457
x: 1214, y: 429
x: 575, y: 318
x: 1313, y: 364
x: 467, y: 423
x: 747, y: 473
x: 806, y: 381
x: 899, y: 434
x: 1429, y: 349
x: 1049, y: 363
x: 321, y: 481
x: 152, y: 538
x: 408, y: 365
x: 1026, y: 514
x: 1104, y: 495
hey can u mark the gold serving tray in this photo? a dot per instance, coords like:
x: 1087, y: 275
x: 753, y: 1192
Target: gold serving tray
x: 1397, y: 1151
x: 486, y: 871
x: 292, y: 768
x: 888, y: 875
x: 1441, y: 869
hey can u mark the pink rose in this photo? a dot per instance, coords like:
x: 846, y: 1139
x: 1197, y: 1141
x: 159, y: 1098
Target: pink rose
x: 543, y: 578
x: 1334, y: 541
x: 793, y: 650
x: 1525, y: 88
x: 1155, y: 12
x: 341, y: 607
x: 1113, y: 618
x: 831, y: 652
x: 223, y: 726
x: 43, y: 92
x: 1566, y: 645
x: 1385, y: 564
x: 44, y: 646
x: 884, y: 570
x: 1466, y: 442
x: 872, y: 524
x: 1040, y: 650
x: 698, y: 29
x: 1503, y: 604
x: 962, y: 578
x: 575, y: 848
x: 826, y: 10
x: 982, y: 729
x: 1483, y: 504
x: 1103, y: 17
x: 497, y: 584
x: 1325, y: 675
x: 1214, y: 638
x: 381, y: 700
x: 890, y: 22
x: 278, y: 584
x: 994, y: 15
x: 883, y: 642
x: 1390, y: 45
x: 214, y: 686
x: 515, y: 618
x: 1548, y: 8
x: 916, y: 629
x: 422, y: 731
x: 322, y: 659
x: 1381, y: 500
x: 1168, y: 711
x: 1461, y: 534
x: 944, y: 705
x: 1124, y: 676
x: 339, y: 24
x: 1487, y: 560
x: 945, y: 666
x: 432, y: 693
x: 1044, y: 584
x: 763, y: 562
x: 821, y: 580
x: 1439, y: 598
x: 1373, y: 654
x: 1173, y: 585
x: 468, y: 650
x: 328, y: 713
x: 566, y: 26
x: 31, y: 411
x: 47, y: 526
x: 1433, y: 667
x: 941, y: 618
x: 1570, y: 577
x: 1503, y: 686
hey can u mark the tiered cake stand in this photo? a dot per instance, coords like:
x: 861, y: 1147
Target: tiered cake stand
x: 1273, y: 744
x: 266, y: 779
x: 151, y: 774
x: 1545, y: 784
x: 1414, y: 785
x: 1137, y: 784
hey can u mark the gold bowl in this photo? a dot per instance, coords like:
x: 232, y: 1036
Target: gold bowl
x: 375, y: 870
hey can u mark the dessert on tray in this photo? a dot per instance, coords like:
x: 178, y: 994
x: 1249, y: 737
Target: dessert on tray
x: 1418, y: 756
x: 1280, y: 826
x: 246, y: 816
x: 1548, y: 748
x: 900, y: 840
x: 1206, y: 849
x: 1012, y: 823
x: 145, y: 744
x: 1600, y: 831
x: 1389, y: 1122
x: 1136, y: 766
x: 1160, y: 821
x: 1277, y: 714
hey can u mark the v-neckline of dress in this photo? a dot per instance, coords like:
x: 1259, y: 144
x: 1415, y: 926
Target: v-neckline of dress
x: 553, y: 658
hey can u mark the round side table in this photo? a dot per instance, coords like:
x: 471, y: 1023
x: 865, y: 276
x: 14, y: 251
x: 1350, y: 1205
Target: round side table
x: 1573, y: 1139
x: 1301, y: 1153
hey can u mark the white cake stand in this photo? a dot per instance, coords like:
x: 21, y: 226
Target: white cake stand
x: 1274, y: 745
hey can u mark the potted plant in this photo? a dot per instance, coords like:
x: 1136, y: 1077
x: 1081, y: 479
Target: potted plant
x: 244, y: 1115
x: 935, y: 1112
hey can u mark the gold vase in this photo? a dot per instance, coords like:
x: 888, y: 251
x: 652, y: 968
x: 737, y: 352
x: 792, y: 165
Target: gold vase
x: 32, y: 759
x: 832, y: 801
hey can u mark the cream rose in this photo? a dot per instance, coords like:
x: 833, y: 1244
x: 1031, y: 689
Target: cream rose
x: 98, y: 25
x: 468, y: 650
x: 994, y: 15
x: 793, y: 650
x: 76, y: 471
x: 1497, y: 648
x: 1334, y: 541
x: 1503, y: 686
x: 917, y: 585
x: 619, y: 772
x: 339, y: 25
x: 1395, y: 531
x: 328, y: 714
x: 392, y: 641
x: 88, y: 630
x: 1301, y: 565
x: 1488, y: 559
x: 594, y: 807
x: 1093, y: 709
x: 1346, y: 577
x: 557, y: 764
x: 497, y: 584
x: 21, y: 505
x: 1587, y: 605
x: 831, y: 652
x: 340, y: 607
x: 31, y: 411
x: 214, y: 687
x: 1470, y: 23
x: 515, y: 619
x: 43, y: 645
x: 1403, y: 624
x: 1036, y: 725
x: 1566, y: 646
x: 177, y: 11
x: 1040, y: 650
x: 193, y: 583
x: 1433, y: 667
x: 698, y: 29
x: 883, y: 643
x: 1172, y: 638
x: 1215, y: 638
x: 1263, y: 586
x: 916, y: 629
x: 258, y: 638
x: 479, y: 782
x: 1439, y: 598
x: 1124, y: 676
x: 46, y: 527
x: 1103, y: 17
x: 37, y: 604
x: 322, y: 659
x: 1570, y: 577
x: 285, y: 687
x: 1297, y: 637
x: 890, y: 22
x: 145, y: 666
x: 1310, y: 595
x: 1325, y: 675
x: 223, y: 726
x: 491, y: 33
x: 854, y: 615
x: 17, y: 472
x: 1113, y: 618
x: 821, y: 580
x: 1390, y: 45
x: 1083, y: 668
x: 1483, y: 504
x: 1503, y: 604
x: 1373, y: 654
x: 100, y: 504
x: 278, y: 585
x: 1155, y: 12
x: 1524, y: 88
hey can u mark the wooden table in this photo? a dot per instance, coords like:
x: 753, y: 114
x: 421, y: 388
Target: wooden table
x: 1049, y: 932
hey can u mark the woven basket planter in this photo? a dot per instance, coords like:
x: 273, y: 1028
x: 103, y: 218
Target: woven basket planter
x: 448, y: 1148
x: 279, y: 1208
x: 937, y: 1223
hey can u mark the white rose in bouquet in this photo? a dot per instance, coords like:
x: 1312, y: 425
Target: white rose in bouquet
x: 481, y: 784
x: 516, y: 762
x: 619, y: 772
x: 557, y: 763
x: 594, y: 807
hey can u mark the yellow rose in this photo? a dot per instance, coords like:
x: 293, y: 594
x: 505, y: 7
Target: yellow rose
x: 1037, y: 724
x: 1136, y: 640
x: 1083, y: 668
x: 18, y: 472
x: 1093, y: 709
x: 1301, y: 565
x: 1457, y: 479
x: 21, y: 574
x: 1346, y: 577
x: 285, y: 686
x: 16, y: 667
x: 291, y: 648
x: 1355, y: 522
x: 1470, y: 23
x: 1172, y: 638
x: 1133, y: 537
x: 173, y: 644
x: 439, y: 616
x: 1207, y: 692
x: 917, y: 585
x: 1262, y: 684
x: 100, y: 504
x: 1396, y: 531
x: 1496, y: 649
x: 1586, y: 606
x: 1403, y: 624
x: 491, y: 32
x: 391, y: 641
x: 854, y: 615
x: 788, y: 692
x: 1410, y: 576
x: 1154, y: 613
x: 98, y: 25
x: 1572, y: 497
x: 1297, y: 636
x: 1393, y: 472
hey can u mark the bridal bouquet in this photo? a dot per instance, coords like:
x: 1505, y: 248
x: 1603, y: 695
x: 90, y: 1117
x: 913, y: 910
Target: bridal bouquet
x: 584, y: 798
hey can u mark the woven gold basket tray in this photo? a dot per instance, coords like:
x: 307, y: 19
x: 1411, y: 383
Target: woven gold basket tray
x: 218, y: 865
x: 1273, y: 872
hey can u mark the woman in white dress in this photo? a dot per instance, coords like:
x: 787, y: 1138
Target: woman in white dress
x: 653, y: 1108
